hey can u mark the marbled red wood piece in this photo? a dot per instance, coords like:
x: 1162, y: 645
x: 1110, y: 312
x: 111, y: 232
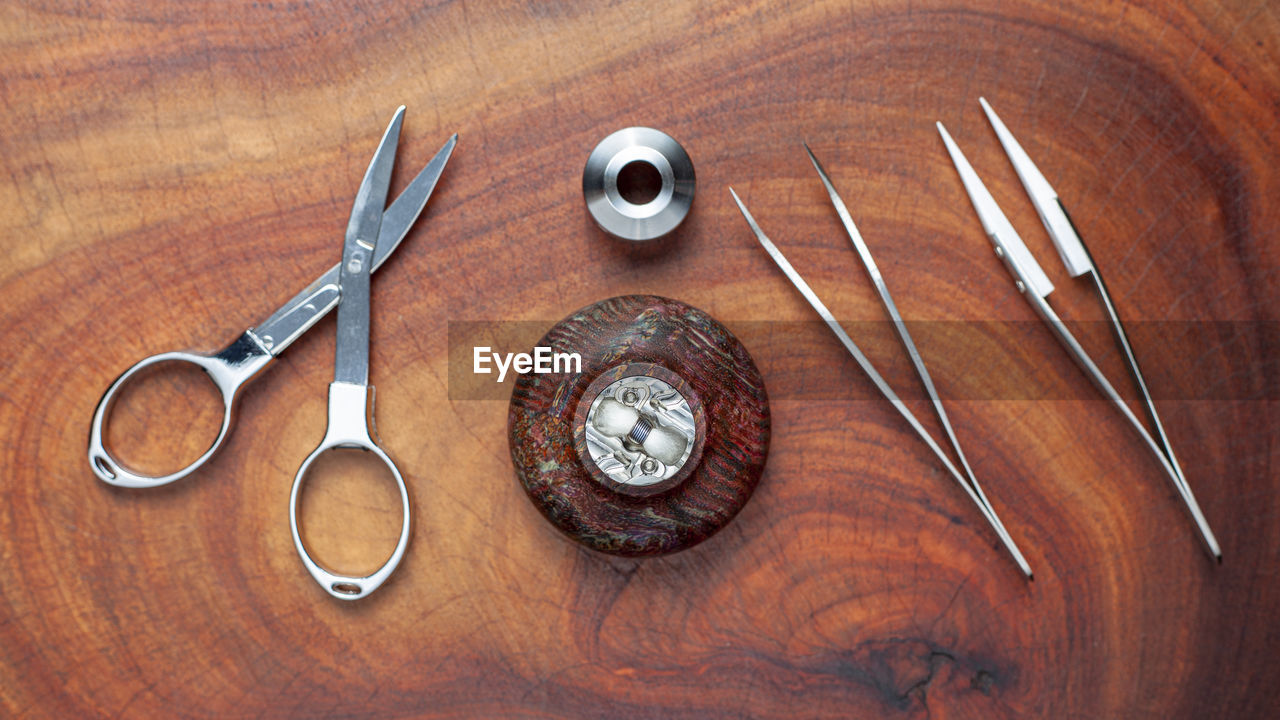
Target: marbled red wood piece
x: 685, y: 340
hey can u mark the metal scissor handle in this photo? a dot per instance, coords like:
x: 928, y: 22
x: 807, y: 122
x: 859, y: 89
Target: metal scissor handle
x: 239, y: 362
x: 350, y: 406
x: 229, y: 370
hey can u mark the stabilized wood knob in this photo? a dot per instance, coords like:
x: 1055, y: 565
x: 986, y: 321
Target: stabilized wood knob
x: 657, y: 443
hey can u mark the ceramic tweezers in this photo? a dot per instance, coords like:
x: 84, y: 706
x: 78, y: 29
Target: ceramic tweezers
x: 1032, y: 282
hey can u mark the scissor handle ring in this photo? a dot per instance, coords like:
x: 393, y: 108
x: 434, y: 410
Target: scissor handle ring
x: 348, y: 428
x: 229, y: 370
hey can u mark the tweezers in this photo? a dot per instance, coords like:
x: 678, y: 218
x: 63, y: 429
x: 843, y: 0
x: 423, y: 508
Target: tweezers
x: 1032, y: 282
x: 968, y: 482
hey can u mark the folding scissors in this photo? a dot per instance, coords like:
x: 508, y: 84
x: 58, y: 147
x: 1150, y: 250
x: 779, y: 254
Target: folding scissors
x: 1032, y: 282
x: 234, y: 366
x: 371, y: 236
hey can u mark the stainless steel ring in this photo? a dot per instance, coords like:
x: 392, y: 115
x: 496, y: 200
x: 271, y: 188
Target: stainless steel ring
x: 639, y: 146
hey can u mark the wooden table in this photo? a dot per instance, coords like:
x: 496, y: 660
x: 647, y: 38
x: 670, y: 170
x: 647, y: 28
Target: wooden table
x: 174, y: 171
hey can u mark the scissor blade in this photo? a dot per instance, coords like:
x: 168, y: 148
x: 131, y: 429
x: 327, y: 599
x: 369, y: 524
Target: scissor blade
x: 315, y: 300
x: 404, y: 212
x: 1044, y: 198
x: 371, y: 198
x: 1013, y: 251
x: 984, y: 507
x: 351, y: 347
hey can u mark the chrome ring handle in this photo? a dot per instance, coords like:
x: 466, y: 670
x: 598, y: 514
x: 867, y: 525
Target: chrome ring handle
x: 349, y: 407
x: 229, y: 370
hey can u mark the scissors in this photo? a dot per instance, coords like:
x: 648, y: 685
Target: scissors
x: 235, y: 365
x: 1032, y: 282
x: 371, y: 236
x: 967, y: 482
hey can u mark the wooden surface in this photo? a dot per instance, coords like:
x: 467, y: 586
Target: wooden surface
x: 173, y: 171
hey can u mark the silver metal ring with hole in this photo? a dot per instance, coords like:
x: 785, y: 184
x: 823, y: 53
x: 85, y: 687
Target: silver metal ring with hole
x: 634, y: 148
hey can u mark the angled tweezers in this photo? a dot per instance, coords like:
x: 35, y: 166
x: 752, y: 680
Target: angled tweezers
x: 1035, y: 286
x: 967, y: 481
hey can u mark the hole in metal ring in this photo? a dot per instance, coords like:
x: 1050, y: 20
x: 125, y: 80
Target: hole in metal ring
x: 106, y: 469
x: 639, y: 182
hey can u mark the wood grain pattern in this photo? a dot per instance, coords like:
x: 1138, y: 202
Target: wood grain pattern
x: 173, y: 171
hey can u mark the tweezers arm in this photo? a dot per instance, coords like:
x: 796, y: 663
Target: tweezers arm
x: 1122, y: 339
x: 973, y: 491
x: 809, y: 295
x: 1082, y: 359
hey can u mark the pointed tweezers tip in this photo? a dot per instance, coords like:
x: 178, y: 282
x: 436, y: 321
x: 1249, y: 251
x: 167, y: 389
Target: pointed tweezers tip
x: 751, y: 221
x: 814, y: 159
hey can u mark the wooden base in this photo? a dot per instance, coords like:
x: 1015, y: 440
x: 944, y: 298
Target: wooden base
x: 722, y: 376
